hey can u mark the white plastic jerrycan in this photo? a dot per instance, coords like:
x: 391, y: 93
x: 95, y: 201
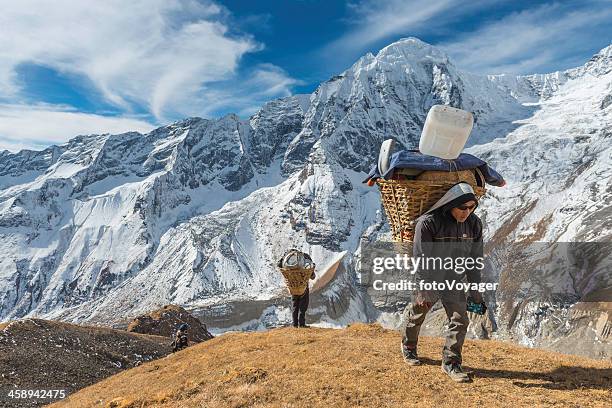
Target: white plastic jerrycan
x: 445, y: 131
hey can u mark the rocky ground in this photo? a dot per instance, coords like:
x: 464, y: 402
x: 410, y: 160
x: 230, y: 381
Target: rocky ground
x: 47, y: 355
x: 165, y: 322
x: 357, y: 366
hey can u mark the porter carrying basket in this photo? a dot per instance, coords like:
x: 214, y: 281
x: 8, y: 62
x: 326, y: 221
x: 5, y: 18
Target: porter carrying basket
x: 297, y: 279
x: 406, y: 200
x: 297, y: 268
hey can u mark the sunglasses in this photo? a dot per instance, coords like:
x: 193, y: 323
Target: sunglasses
x: 465, y: 207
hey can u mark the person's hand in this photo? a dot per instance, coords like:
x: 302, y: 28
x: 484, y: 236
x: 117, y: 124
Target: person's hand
x: 475, y: 296
x: 483, y: 309
x: 482, y: 304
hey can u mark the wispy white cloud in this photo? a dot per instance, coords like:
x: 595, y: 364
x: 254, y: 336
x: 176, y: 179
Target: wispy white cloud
x: 541, y: 38
x: 36, y: 127
x: 263, y: 83
x: 153, y: 53
x: 371, y: 21
x: 535, y: 40
x: 375, y: 20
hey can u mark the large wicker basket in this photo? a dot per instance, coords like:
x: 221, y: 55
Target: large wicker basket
x: 297, y: 279
x: 405, y: 200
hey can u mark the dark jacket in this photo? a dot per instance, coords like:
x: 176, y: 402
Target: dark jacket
x: 180, y: 340
x: 438, y: 234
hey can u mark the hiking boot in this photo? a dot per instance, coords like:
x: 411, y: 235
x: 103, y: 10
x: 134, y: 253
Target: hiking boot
x: 455, y: 372
x: 410, y: 356
x: 304, y: 326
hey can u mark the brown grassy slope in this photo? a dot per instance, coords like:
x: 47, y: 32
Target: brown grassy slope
x: 359, y: 366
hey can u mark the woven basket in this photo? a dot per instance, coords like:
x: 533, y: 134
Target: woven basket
x: 449, y: 176
x: 297, y: 279
x: 405, y: 200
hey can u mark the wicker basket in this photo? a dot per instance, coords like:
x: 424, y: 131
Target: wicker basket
x: 449, y: 176
x: 297, y: 279
x: 405, y: 200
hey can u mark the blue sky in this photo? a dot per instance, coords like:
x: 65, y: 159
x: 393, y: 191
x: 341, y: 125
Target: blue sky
x: 70, y: 66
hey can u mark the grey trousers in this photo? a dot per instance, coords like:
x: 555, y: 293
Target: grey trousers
x: 456, y: 310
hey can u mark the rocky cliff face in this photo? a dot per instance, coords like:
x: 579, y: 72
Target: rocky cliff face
x: 558, y: 168
x: 106, y: 227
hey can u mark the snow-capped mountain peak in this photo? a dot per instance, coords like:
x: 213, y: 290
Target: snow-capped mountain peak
x: 197, y: 212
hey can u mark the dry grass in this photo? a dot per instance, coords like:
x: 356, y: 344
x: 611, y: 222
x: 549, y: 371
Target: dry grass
x: 3, y: 325
x: 359, y: 366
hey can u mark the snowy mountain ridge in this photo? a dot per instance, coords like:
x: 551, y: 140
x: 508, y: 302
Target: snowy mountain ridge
x: 105, y: 227
x: 531, y: 88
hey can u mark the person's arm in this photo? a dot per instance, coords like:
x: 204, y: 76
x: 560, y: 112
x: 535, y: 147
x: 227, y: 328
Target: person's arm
x: 309, y: 259
x: 477, y: 251
x: 423, y: 237
x: 423, y: 247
